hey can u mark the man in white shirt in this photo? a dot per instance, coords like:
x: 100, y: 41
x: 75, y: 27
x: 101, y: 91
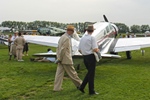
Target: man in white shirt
x: 87, y: 47
x: 13, y: 46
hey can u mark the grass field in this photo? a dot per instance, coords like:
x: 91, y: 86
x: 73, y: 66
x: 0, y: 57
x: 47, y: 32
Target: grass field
x: 115, y: 79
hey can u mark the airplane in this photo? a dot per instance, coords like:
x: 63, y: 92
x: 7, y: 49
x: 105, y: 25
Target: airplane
x: 53, y: 31
x: 31, y: 32
x: 4, y: 39
x: 57, y: 31
x: 2, y: 29
x: 105, y: 33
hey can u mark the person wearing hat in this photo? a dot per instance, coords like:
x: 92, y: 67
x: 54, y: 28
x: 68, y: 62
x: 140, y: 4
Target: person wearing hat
x: 87, y: 47
x: 19, y: 42
x: 64, y: 61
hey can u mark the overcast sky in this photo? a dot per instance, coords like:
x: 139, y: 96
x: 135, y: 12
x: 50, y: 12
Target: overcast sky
x: 66, y: 11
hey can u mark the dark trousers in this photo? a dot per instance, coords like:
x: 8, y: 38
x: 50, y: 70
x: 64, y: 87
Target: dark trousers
x: 90, y: 63
x: 128, y: 54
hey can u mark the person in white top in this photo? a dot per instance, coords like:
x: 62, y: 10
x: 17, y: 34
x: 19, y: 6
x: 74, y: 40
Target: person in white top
x: 13, y: 46
x: 44, y: 59
x: 87, y: 47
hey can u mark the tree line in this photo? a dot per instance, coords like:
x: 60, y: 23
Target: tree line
x: 134, y: 28
x: 19, y: 25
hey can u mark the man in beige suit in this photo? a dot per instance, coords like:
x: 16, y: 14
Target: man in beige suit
x: 19, y: 42
x: 64, y: 60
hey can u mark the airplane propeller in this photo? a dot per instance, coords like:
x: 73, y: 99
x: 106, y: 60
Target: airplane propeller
x: 105, y: 18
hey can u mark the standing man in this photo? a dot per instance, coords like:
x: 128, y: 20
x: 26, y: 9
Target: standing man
x: 128, y: 53
x: 19, y: 42
x: 9, y: 42
x: 87, y: 46
x: 13, y: 46
x: 64, y: 60
x: 26, y: 47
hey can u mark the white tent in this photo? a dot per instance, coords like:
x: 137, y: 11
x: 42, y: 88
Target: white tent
x: 147, y: 32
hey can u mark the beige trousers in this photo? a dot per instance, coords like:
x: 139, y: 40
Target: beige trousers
x: 12, y: 49
x: 19, y: 51
x: 61, y: 68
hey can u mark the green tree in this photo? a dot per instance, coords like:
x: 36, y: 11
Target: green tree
x: 135, y: 29
x: 122, y: 27
x: 145, y: 28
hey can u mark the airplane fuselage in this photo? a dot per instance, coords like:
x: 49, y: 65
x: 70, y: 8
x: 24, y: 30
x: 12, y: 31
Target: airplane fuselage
x: 104, y: 33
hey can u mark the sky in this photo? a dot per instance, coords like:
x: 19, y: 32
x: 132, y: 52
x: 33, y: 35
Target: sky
x: 129, y: 12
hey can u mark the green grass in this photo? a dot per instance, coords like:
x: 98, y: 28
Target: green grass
x: 115, y: 79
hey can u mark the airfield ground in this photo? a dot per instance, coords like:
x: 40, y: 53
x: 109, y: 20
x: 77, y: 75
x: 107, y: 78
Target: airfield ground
x: 115, y: 79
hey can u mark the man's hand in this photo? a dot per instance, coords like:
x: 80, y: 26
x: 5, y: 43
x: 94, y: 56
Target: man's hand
x: 80, y: 51
x: 57, y: 61
x: 96, y: 50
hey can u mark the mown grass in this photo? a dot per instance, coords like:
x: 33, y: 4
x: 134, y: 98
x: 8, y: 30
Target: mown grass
x: 115, y: 79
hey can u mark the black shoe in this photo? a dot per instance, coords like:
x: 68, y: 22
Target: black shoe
x: 94, y: 93
x: 31, y: 59
x: 82, y: 90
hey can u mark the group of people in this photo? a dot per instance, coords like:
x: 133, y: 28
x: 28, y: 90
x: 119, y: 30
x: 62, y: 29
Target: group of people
x: 127, y: 35
x: 87, y: 47
x: 17, y: 46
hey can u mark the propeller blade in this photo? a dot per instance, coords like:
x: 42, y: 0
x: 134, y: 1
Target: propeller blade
x: 105, y: 18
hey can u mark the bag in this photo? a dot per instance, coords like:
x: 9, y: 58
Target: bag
x: 98, y: 56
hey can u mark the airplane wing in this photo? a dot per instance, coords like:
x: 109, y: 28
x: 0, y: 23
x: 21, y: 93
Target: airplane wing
x: 74, y: 56
x: 120, y: 45
x: 3, y: 39
x: 53, y: 41
x: 36, y: 39
x: 50, y: 40
x: 42, y: 40
x: 54, y: 55
x: 129, y: 44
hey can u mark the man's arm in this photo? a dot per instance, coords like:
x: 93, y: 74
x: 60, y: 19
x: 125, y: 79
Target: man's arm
x: 15, y: 42
x: 63, y: 49
x: 12, y: 38
x: 79, y: 48
x: 94, y: 45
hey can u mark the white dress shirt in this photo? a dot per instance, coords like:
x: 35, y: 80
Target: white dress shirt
x: 52, y: 59
x: 13, y: 39
x: 87, y: 44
